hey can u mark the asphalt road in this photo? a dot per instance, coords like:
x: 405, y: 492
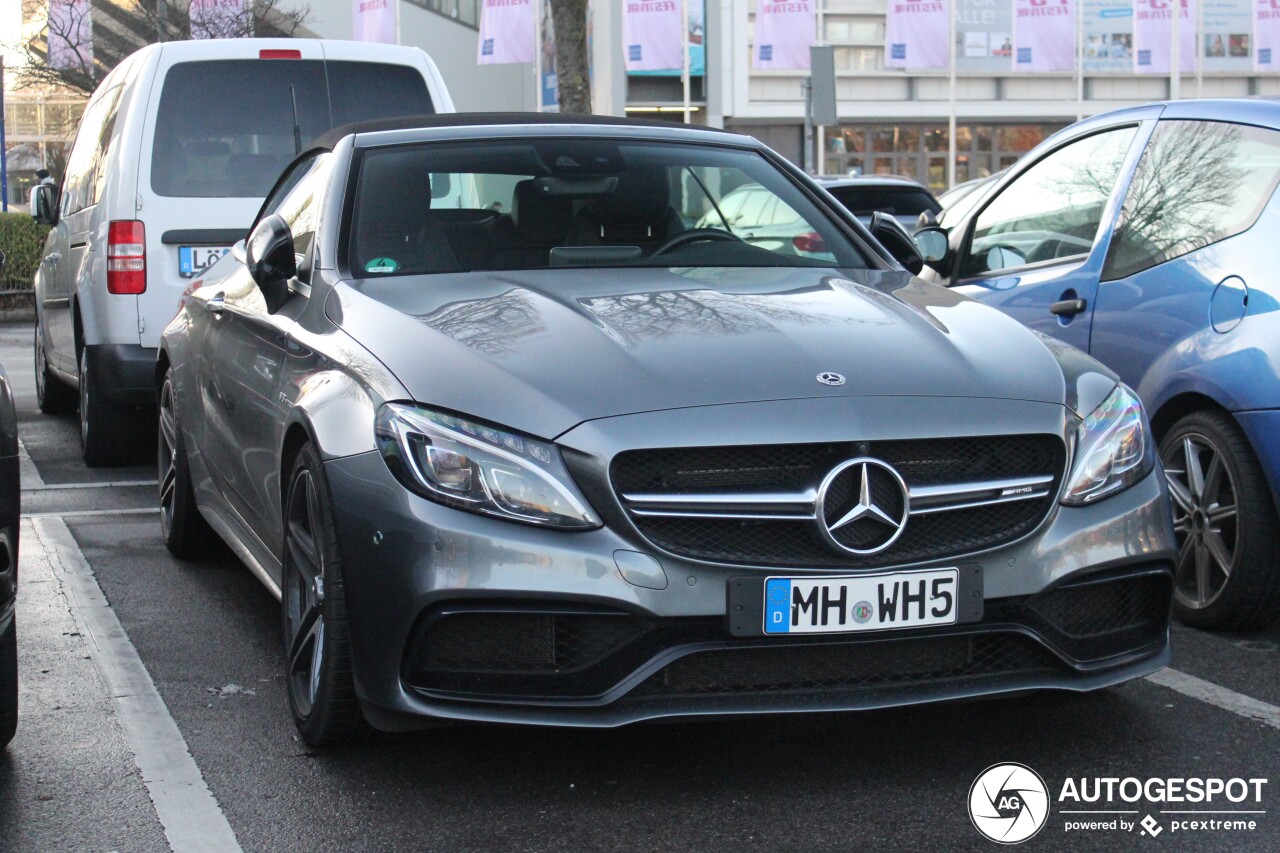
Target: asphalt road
x: 208, y: 636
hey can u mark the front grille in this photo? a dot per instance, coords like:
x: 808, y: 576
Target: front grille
x: 812, y: 669
x: 789, y: 540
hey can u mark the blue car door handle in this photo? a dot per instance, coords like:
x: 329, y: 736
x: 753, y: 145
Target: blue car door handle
x: 1068, y: 307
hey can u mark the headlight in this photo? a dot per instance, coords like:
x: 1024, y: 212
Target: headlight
x: 479, y: 468
x: 1113, y: 449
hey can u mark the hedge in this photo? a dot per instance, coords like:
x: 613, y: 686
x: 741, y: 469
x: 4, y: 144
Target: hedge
x: 22, y: 240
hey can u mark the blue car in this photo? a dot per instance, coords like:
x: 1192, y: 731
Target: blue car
x: 1146, y: 237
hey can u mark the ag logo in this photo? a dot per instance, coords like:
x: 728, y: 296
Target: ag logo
x: 1008, y: 803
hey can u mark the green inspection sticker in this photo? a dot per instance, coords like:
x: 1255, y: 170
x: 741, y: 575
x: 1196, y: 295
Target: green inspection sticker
x: 381, y: 265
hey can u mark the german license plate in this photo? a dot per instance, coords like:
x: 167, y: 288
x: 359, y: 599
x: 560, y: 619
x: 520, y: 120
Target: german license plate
x: 861, y: 603
x: 192, y: 260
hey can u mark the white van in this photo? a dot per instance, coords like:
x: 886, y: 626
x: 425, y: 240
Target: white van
x: 175, y: 152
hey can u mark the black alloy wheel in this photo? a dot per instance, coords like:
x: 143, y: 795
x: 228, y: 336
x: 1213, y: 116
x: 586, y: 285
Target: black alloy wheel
x: 313, y: 604
x: 186, y: 533
x: 1228, y: 567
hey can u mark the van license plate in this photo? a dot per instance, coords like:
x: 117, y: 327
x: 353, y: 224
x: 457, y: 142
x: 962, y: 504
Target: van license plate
x: 861, y: 603
x: 192, y: 260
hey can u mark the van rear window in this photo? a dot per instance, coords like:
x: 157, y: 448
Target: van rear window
x: 225, y: 127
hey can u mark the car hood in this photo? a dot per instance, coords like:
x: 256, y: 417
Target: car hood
x: 543, y: 350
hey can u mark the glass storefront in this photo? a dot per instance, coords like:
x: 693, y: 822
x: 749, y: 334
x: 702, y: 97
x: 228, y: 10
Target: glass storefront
x: 920, y: 151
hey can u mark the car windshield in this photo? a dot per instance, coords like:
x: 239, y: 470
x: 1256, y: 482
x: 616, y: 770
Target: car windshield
x: 503, y: 204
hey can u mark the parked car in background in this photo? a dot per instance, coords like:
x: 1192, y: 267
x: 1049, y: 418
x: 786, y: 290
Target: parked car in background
x: 1145, y: 237
x: 10, y: 497
x: 902, y: 198
x: 584, y: 464
x: 176, y: 149
x: 958, y: 201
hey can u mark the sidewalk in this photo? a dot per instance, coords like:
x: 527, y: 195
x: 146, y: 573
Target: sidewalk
x: 68, y: 780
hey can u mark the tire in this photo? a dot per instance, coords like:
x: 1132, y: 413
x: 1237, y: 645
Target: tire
x: 105, y: 436
x: 8, y: 683
x: 52, y: 395
x: 1227, y: 575
x: 317, y: 641
x: 186, y: 533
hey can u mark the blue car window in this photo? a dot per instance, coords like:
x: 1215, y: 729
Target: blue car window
x: 1051, y: 211
x: 1198, y: 182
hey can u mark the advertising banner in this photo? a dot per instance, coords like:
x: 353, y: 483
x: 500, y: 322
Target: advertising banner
x: 984, y: 35
x: 1108, y: 35
x: 219, y: 19
x: 549, y: 85
x: 1266, y: 35
x: 507, y: 32
x: 697, y: 47
x: 1153, y: 36
x: 70, y: 36
x: 375, y: 20
x: 915, y: 34
x: 1044, y: 35
x: 784, y: 33
x: 651, y: 35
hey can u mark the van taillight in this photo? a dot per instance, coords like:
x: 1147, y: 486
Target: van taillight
x: 126, y: 257
x: 279, y: 54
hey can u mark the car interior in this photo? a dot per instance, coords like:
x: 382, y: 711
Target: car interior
x: 448, y: 208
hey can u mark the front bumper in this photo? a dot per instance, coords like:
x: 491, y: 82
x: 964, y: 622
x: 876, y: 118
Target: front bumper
x: 411, y: 565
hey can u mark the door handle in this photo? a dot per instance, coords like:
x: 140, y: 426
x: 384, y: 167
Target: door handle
x: 216, y: 304
x: 1068, y: 307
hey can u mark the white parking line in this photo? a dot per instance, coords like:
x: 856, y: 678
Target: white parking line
x: 27, y: 469
x: 1221, y: 697
x: 187, y: 810
x: 81, y: 513
x: 53, y: 487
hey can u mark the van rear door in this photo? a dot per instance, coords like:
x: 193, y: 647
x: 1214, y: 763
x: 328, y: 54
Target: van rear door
x: 219, y: 131
x: 228, y: 117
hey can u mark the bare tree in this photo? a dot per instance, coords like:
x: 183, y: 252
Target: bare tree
x: 572, y: 70
x: 121, y: 27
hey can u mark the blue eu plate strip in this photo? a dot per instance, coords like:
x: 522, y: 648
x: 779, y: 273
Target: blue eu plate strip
x: 777, y: 606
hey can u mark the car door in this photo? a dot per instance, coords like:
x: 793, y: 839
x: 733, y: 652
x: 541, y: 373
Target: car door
x: 1035, y: 249
x: 1184, y: 250
x: 248, y: 347
x: 70, y: 245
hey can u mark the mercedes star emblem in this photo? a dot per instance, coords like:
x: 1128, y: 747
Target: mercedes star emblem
x: 863, y: 505
x: 829, y: 378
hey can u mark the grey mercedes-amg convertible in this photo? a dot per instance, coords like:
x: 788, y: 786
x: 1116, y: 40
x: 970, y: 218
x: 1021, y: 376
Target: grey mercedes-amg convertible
x: 520, y: 426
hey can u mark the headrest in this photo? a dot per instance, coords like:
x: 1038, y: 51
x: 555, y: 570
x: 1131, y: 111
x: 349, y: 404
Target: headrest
x: 539, y: 217
x: 395, y: 193
x: 642, y: 195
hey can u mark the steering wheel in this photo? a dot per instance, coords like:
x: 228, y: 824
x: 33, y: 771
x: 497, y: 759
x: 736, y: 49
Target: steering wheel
x: 695, y: 235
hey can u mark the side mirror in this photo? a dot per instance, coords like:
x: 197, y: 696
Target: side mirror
x: 46, y: 204
x: 270, y: 259
x: 932, y: 243
x: 925, y: 219
x: 889, y: 231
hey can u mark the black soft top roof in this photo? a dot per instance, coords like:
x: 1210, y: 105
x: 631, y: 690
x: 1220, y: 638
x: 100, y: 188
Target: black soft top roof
x: 330, y: 138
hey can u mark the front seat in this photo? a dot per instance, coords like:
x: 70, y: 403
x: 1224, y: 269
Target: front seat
x: 637, y: 213
x: 395, y: 221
